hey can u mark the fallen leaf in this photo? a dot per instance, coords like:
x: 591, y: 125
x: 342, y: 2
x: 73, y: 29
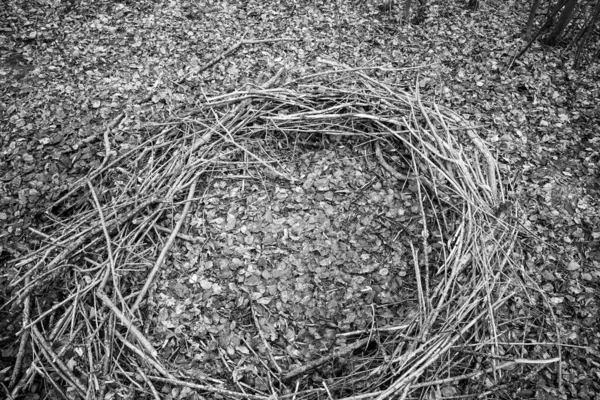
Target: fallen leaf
x: 573, y: 265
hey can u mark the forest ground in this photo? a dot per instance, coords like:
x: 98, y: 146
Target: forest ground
x: 66, y: 72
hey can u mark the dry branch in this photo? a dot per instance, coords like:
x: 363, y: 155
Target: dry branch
x: 461, y: 288
x: 167, y: 247
x: 313, y: 364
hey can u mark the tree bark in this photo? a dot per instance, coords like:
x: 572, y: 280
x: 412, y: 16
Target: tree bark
x: 473, y: 5
x: 585, y: 34
x: 552, y: 13
x: 534, y: 7
x: 387, y: 6
x: 562, y: 22
x: 406, y: 14
x: 421, y: 12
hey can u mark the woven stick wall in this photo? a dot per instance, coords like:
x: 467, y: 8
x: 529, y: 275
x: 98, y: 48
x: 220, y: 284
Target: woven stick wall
x: 84, y: 297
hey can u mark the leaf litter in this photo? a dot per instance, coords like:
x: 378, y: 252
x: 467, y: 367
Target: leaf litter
x: 309, y: 260
x: 307, y: 237
x: 528, y: 101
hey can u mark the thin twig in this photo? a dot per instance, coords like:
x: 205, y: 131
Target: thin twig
x: 232, y: 50
x: 165, y: 249
x: 127, y: 323
x: 23, y: 341
x: 315, y: 363
x: 224, y: 392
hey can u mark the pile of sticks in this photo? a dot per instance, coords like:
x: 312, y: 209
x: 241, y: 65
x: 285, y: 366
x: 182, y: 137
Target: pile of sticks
x: 80, y: 295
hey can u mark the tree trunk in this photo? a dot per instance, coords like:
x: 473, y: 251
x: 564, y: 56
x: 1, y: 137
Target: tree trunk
x: 473, y: 5
x: 534, y: 7
x: 585, y: 34
x: 562, y: 23
x: 387, y: 6
x: 406, y: 14
x: 421, y: 12
x: 552, y: 13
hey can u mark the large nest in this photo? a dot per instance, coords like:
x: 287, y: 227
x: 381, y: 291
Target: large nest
x: 90, y: 312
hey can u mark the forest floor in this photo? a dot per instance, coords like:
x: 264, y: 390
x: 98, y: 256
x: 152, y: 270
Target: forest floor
x: 67, y: 72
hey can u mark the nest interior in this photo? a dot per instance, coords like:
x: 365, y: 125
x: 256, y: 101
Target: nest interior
x: 326, y: 237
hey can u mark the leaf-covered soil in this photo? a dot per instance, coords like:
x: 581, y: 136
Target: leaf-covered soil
x: 315, y: 257
x: 67, y: 69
